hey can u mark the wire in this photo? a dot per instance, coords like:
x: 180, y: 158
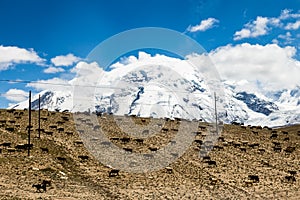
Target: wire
x: 89, y: 86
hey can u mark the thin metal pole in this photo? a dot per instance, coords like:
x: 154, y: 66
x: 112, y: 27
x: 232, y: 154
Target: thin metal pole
x: 216, y: 113
x: 39, y: 116
x: 29, y: 123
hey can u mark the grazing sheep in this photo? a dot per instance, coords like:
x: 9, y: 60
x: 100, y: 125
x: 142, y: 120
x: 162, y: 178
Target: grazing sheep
x: 81, y: 131
x: 127, y: 150
x: 292, y: 172
x: 69, y: 133
x: 153, y: 148
x: 236, y: 145
x: 173, y: 142
x: 253, y: 145
x: 6, y: 144
x: 200, y: 142
x: 115, y: 139
x: 139, y: 141
x: 114, y: 172
x: 206, y: 158
x: 61, y: 159
x: 147, y: 155
x: 60, y: 129
x: 39, y: 187
x: 11, y: 129
x: 290, y: 178
x: 53, y: 126
x: 48, y: 132
x: 20, y: 147
x: 97, y: 127
x: 274, y: 135
x: 174, y: 155
x: 125, y: 140
x: 243, y: 149
x: 290, y: 149
x: 217, y: 147
x: 284, y: 132
x: 83, y: 157
x: 211, y: 163
x: 106, y: 143
x: 274, y: 131
x: 165, y: 129
x: 44, y: 149
x: 254, y: 178
x: 78, y: 142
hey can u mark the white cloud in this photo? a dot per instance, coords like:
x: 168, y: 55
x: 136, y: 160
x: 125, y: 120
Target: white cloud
x: 11, y: 55
x: 54, y: 84
x: 263, y: 25
x: 287, y: 14
x: 204, y: 25
x: 254, y: 29
x: 16, y: 95
x: 271, y: 65
x: 287, y: 38
x: 293, y: 26
x: 66, y: 60
x: 53, y: 70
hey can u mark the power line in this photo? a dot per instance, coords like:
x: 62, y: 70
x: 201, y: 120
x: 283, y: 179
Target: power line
x: 77, y: 85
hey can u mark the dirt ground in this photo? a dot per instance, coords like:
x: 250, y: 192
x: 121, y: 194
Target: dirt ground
x: 246, y: 162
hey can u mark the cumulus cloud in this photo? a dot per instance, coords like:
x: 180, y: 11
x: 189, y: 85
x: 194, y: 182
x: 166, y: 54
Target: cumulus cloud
x: 271, y: 65
x: 53, y: 70
x: 54, y: 84
x: 293, y: 26
x: 65, y: 60
x: 262, y: 25
x: 288, y: 14
x: 16, y: 95
x: 253, y: 29
x: 11, y: 55
x: 204, y: 25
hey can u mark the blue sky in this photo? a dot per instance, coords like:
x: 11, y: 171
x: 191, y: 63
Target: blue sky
x: 33, y: 32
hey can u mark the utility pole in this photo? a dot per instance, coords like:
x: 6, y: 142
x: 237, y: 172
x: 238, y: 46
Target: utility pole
x: 29, y: 123
x: 216, y: 113
x: 39, y: 116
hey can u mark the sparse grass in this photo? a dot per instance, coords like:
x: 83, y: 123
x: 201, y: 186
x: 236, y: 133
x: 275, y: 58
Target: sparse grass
x: 190, y: 177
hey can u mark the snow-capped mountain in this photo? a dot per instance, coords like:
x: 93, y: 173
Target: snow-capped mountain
x: 170, y: 88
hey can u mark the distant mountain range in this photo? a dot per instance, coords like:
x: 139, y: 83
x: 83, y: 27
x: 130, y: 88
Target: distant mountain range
x: 154, y: 91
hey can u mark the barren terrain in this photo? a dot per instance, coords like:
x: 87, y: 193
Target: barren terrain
x: 250, y: 162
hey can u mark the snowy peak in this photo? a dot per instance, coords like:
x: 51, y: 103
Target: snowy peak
x: 256, y: 104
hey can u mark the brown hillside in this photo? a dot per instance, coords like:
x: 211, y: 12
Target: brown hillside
x: 251, y: 162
